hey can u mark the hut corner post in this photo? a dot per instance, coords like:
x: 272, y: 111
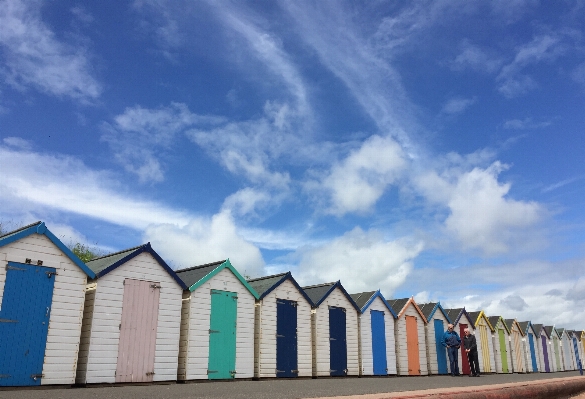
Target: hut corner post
x: 257, y: 337
x: 314, y: 341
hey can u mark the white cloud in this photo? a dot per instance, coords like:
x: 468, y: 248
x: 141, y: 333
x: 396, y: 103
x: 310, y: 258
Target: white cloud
x: 526, y: 123
x: 475, y: 58
x: 34, y: 57
x: 356, y: 183
x: 205, y: 240
x: 18, y: 143
x: 246, y: 201
x: 458, y: 105
x: 139, y: 136
x: 578, y: 74
x: 362, y: 260
x: 514, y: 302
x: 32, y: 181
x: 516, y: 86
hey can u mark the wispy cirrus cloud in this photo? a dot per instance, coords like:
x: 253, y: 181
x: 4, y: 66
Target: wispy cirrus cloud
x: 526, y: 123
x: 475, y: 58
x: 35, y: 58
x: 458, y: 104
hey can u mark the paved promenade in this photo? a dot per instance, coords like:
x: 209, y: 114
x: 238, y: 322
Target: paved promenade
x: 376, y: 388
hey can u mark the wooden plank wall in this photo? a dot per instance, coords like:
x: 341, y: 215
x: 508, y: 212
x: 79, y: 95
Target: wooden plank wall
x: 321, y: 335
x: 401, y: 350
x: 266, y: 331
x: 199, y: 318
x: 367, y: 360
x: 431, y: 343
x: 60, y: 363
x: 107, y: 314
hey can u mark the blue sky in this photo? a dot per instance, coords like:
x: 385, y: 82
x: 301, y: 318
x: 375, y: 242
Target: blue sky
x: 427, y: 148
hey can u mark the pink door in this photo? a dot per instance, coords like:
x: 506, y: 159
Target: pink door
x: 138, y: 331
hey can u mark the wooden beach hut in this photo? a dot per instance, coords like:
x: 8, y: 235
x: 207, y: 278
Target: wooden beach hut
x: 567, y: 349
x: 217, y: 323
x: 575, y: 338
x: 555, y: 348
x: 42, y: 289
x: 530, y: 349
x: 501, y: 345
x: 435, y: 327
x: 334, y: 321
x: 377, y: 350
x: 411, y: 353
x: 282, y: 332
x: 131, y: 319
x: 485, y: 345
x: 516, y: 335
x: 461, y: 320
x: 543, y: 347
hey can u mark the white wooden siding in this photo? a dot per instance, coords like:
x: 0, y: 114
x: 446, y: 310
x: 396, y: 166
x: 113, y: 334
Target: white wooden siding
x: 401, y: 348
x: 266, y: 331
x: 569, y: 352
x: 197, y: 357
x: 367, y: 359
x: 107, y: 316
x: 321, y: 338
x: 431, y: 343
x: 60, y: 362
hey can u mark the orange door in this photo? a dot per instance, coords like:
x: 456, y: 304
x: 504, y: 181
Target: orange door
x: 412, y: 346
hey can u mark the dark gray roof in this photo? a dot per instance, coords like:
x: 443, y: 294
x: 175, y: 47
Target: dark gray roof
x: 453, y: 314
x: 427, y: 308
x: 98, y: 264
x: 193, y: 274
x: 362, y: 298
x: 316, y: 292
x: 474, y: 316
x: 19, y: 229
x: 509, y: 323
x: 560, y: 330
x: 263, y: 284
x: 494, y: 320
x: 397, y: 304
x: 523, y: 326
x: 548, y: 330
x: 537, y: 328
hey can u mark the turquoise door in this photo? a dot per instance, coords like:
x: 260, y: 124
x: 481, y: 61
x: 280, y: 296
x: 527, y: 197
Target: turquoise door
x: 24, y: 323
x: 222, y: 335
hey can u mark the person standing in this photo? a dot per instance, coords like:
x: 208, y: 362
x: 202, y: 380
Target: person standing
x: 452, y: 342
x: 470, y: 345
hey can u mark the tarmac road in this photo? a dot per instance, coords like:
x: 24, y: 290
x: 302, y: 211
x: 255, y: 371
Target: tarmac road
x: 273, y: 389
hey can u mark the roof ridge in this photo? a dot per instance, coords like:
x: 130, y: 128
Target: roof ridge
x: 20, y: 229
x: 319, y: 285
x: 265, y: 277
x: 117, y: 253
x: 219, y: 262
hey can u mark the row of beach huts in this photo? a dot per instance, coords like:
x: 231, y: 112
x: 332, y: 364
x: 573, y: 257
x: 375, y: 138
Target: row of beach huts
x: 128, y: 317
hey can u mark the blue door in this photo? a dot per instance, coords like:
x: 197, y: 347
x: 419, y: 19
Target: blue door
x: 286, y: 338
x: 441, y: 351
x: 337, y: 342
x: 576, y: 348
x: 24, y: 323
x: 379, y: 342
x: 533, y: 353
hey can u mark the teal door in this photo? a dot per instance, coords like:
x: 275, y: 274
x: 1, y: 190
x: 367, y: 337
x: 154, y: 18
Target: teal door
x: 222, y: 335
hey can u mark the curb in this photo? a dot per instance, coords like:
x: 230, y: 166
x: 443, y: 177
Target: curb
x: 548, y: 389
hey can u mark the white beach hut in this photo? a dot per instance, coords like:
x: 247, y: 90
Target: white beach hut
x: 530, y: 347
x: 555, y: 348
x: 376, y: 328
x: 217, y: 323
x: 42, y: 289
x: 543, y: 344
x: 411, y: 351
x: 282, y: 334
x: 501, y: 345
x: 334, y: 321
x: 516, y: 335
x: 567, y: 349
x: 435, y: 327
x: 131, y: 319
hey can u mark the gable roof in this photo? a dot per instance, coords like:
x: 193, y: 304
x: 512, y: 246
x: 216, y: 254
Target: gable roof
x: 494, y: 321
x: 365, y: 299
x: 399, y: 306
x: 105, y: 264
x: 319, y: 292
x: 429, y: 309
x: 510, y: 324
x: 475, y: 316
x: 550, y: 331
x: 539, y: 329
x: 194, y: 277
x: 40, y: 228
x: 525, y: 326
x: 265, y: 285
x: 456, y: 314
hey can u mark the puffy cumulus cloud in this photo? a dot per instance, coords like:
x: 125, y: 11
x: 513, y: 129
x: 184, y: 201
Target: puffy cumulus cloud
x: 140, y: 135
x: 514, y: 302
x: 356, y: 183
x: 205, y: 240
x: 362, y: 260
x: 246, y: 201
x: 577, y: 292
x: 18, y: 143
x: 33, y: 57
x: 481, y: 214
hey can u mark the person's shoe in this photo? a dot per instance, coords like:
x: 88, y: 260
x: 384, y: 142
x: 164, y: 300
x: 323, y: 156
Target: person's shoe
x: 477, y: 375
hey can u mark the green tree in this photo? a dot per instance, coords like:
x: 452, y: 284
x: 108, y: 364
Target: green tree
x: 85, y: 252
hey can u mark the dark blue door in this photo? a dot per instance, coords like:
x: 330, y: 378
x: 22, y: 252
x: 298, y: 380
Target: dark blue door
x: 286, y: 338
x: 379, y: 343
x: 576, y: 348
x: 24, y: 323
x: 441, y: 351
x: 337, y: 342
x: 533, y: 353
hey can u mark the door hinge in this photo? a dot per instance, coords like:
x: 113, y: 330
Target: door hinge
x: 213, y: 331
x: 35, y: 376
x: 150, y: 373
x: 233, y: 372
x: 345, y: 371
x: 51, y: 274
x: 14, y: 268
x: 155, y: 286
x: 8, y: 321
x: 295, y: 371
x: 332, y: 339
x: 279, y: 336
x: 212, y: 371
x: 279, y: 371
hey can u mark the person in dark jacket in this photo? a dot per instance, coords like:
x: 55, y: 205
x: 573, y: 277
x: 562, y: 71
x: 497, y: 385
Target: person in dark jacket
x: 470, y: 345
x: 452, y: 342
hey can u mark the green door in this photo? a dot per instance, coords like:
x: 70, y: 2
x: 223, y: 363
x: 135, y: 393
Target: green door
x: 222, y: 335
x: 557, y: 358
x: 503, y: 351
